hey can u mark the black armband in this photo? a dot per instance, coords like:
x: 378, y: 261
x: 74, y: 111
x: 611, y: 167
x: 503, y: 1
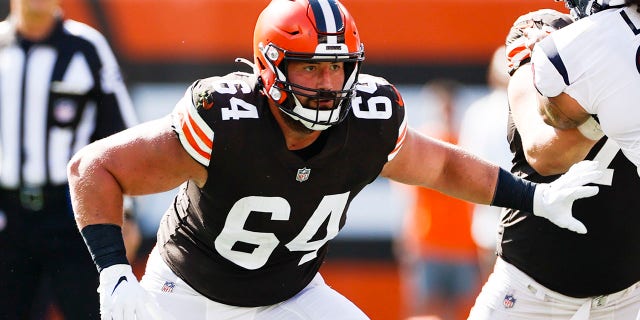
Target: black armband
x: 105, y: 244
x: 513, y: 192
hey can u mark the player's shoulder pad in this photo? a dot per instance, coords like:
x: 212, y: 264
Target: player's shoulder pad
x: 369, y: 85
x: 365, y: 80
x: 205, y: 91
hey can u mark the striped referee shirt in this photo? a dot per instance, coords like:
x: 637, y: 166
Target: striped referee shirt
x: 56, y: 96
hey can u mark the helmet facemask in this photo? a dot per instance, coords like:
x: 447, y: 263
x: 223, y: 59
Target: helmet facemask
x: 583, y: 8
x: 283, y: 92
x: 579, y: 8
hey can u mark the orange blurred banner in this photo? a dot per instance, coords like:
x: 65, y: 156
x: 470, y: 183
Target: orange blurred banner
x: 393, y: 31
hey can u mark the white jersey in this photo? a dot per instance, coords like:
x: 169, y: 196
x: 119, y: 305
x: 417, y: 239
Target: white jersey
x: 596, y: 60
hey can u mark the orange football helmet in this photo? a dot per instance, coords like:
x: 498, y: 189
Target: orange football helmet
x: 317, y: 30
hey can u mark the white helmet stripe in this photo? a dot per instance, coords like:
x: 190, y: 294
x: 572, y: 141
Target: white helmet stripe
x: 328, y: 16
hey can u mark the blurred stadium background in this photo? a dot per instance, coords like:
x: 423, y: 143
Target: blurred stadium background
x: 164, y: 45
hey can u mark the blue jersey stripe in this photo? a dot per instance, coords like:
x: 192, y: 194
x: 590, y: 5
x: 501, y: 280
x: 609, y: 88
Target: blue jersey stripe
x: 549, y: 48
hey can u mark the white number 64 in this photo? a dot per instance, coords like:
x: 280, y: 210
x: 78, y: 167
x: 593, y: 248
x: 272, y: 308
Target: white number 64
x: 331, y: 206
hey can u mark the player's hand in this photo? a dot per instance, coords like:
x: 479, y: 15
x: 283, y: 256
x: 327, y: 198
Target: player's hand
x: 122, y: 297
x: 554, y: 200
x: 528, y: 30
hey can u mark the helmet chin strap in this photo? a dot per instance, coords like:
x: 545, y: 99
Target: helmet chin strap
x: 300, y: 113
x: 310, y: 125
x: 309, y: 117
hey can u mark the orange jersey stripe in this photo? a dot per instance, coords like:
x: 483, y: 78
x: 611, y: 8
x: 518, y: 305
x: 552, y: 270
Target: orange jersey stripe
x: 400, y: 140
x: 200, y: 133
x: 192, y: 142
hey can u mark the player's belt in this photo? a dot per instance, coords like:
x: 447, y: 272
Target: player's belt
x: 32, y: 198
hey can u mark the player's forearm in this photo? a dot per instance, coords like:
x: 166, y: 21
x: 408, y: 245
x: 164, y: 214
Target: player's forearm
x: 551, y: 150
x: 553, y: 117
x: 435, y: 164
x: 468, y: 177
x: 556, y: 155
x: 97, y: 201
x: 562, y: 111
x: 472, y: 179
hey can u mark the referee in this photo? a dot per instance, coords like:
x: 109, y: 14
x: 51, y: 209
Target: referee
x: 60, y: 88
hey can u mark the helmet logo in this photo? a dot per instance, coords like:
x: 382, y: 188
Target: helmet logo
x: 205, y: 100
x: 303, y: 174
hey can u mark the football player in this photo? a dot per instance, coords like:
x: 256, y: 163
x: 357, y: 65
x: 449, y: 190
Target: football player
x: 563, y: 275
x: 269, y: 162
x: 593, y: 69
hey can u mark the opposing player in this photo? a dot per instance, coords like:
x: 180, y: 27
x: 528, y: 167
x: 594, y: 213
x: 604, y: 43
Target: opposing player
x: 593, y: 68
x: 562, y: 275
x: 269, y: 163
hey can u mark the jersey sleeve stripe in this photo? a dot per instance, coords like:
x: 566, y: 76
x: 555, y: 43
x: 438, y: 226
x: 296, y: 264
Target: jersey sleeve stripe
x: 195, y: 135
x: 402, y: 134
x: 549, y: 48
x: 193, y: 141
x: 202, y: 136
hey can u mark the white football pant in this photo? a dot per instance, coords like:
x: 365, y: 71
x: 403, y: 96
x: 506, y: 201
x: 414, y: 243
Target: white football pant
x: 317, y: 301
x: 511, y: 294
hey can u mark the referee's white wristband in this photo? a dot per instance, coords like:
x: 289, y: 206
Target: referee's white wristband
x: 591, y: 129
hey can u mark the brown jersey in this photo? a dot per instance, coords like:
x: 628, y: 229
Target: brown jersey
x: 257, y: 232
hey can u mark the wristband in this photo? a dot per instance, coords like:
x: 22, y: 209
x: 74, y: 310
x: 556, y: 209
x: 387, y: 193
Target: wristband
x: 591, y: 129
x: 513, y: 192
x: 105, y: 244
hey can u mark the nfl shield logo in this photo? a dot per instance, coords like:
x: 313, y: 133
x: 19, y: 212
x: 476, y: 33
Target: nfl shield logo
x: 303, y: 174
x: 64, y: 110
x: 509, y: 301
x: 168, y: 286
